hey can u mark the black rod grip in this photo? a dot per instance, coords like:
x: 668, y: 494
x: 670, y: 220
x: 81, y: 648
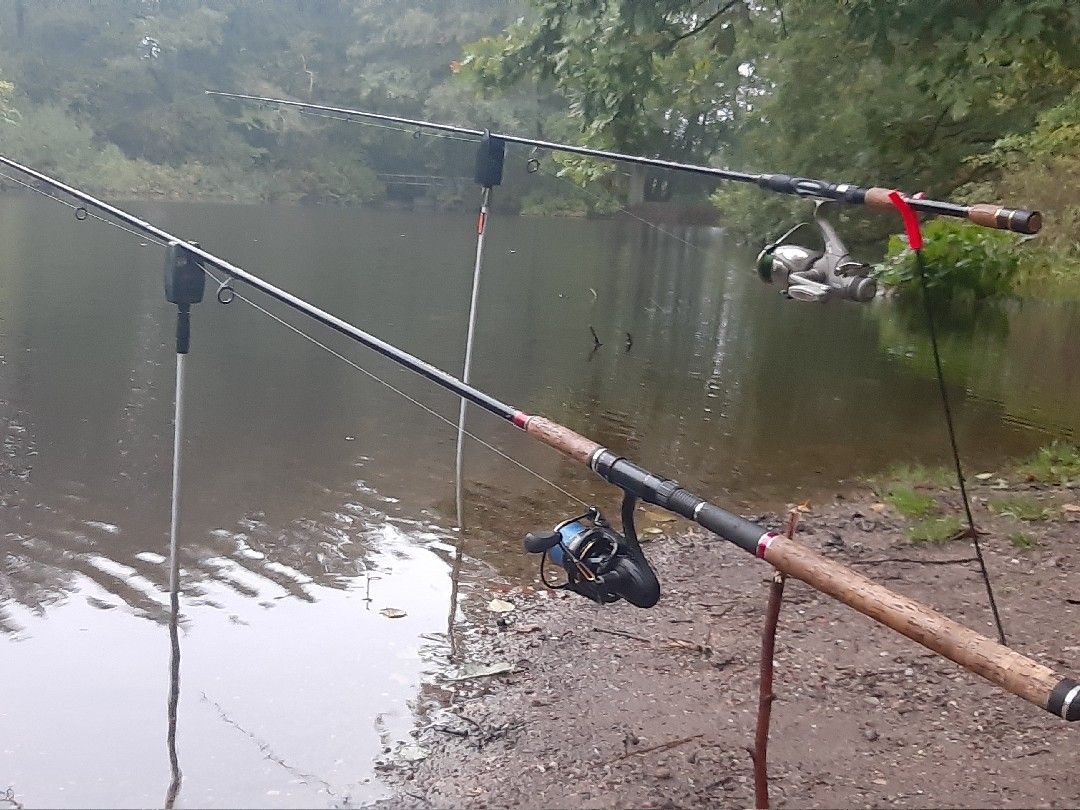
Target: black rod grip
x: 731, y: 527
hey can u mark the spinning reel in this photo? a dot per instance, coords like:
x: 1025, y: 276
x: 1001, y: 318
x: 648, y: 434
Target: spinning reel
x: 600, y: 563
x: 816, y: 275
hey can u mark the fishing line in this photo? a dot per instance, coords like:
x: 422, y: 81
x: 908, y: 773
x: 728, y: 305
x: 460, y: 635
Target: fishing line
x: 398, y: 391
x: 445, y: 136
x: 623, y: 210
x: 915, y: 244
x: 86, y: 211
x: 952, y: 443
x: 414, y: 132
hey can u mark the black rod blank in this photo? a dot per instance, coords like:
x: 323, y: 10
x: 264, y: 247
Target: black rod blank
x: 987, y: 215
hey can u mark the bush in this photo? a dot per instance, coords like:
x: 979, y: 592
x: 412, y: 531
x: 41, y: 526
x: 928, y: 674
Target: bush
x: 961, y: 261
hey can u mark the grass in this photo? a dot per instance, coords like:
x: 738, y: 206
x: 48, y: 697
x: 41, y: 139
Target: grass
x: 936, y: 530
x: 1057, y: 464
x: 1022, y: 540
x: 1021, y: 507
x: 911, y: 476
x: 910, y: 503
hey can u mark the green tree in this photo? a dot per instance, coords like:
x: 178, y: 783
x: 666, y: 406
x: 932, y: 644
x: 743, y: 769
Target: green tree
x: 655, y: 78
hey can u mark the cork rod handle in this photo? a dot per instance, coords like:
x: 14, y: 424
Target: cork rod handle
x: 1000, y: 665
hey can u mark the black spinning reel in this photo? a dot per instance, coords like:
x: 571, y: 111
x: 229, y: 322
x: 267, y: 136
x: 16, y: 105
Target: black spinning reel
x: 600, y: 563
x: 816, y: 275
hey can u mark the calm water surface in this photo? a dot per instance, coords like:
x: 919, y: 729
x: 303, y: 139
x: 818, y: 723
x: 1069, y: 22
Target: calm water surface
x: 314, y: 497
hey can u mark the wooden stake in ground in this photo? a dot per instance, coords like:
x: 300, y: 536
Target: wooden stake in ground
x: 759, y: 753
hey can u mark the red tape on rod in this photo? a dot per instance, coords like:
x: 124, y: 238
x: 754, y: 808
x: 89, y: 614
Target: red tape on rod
x: 911, y: 220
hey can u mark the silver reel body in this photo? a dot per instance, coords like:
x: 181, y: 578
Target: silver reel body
x: 816, y: 275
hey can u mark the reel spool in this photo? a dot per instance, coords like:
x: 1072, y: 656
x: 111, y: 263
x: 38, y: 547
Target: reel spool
x: 816, y: 275
x: 600, y: 564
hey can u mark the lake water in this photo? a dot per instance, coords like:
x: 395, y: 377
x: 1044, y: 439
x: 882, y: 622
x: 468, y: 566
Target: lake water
x: 314, y: 497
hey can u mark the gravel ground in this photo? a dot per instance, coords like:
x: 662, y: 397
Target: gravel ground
x: 619, y: 707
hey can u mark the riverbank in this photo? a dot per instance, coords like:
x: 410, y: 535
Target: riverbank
x: 619, y: 707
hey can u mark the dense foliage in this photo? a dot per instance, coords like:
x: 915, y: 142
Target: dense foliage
x: 109, y: 93
x: 958, y: 260
x: 955, y: 99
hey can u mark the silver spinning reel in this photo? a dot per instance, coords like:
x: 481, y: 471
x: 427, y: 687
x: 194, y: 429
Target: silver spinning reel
x: 816, y: 275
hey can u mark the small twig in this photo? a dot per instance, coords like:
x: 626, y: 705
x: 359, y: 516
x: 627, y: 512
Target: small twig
x: 9, y: 797
x: 623, y: 634
x: 660, y: 747
x: 456, y: 732
x: 1032, y: 753
x: 954, y: 561
x: 759, y: 753
x: 265, y: 749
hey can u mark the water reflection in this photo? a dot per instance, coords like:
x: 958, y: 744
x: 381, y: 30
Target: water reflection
x: 315, y: 498
x: 1015, y: 355
x: 175, y: 773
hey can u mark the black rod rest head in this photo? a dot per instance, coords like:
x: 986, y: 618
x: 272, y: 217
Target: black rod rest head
x: 185, y: 280
x: 489, y: 161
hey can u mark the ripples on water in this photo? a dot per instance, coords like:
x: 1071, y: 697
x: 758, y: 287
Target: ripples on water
x: 314, y: 498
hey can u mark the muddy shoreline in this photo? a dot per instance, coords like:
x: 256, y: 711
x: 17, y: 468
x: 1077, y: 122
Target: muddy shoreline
x: 618, y: 707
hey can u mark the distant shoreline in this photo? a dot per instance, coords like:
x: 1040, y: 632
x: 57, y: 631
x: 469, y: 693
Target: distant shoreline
x: 655, y: 213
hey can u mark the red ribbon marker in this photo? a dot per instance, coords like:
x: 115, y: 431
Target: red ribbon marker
x: 911, y: 221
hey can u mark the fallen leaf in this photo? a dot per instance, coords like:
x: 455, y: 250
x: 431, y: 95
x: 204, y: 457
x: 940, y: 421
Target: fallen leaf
x: 500, y: 606
x: 804, y: 507
x: 653, y: 530
x: 880, y: 508
x: 657, y: 515
x: 482, y: 670
x: 1070, y: 507
x: 984, y: 476
x: 412, y: 753
x: 393, y: 613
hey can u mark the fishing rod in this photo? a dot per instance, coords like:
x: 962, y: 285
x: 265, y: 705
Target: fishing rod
x: 606, y: 565
x: 987, y: 215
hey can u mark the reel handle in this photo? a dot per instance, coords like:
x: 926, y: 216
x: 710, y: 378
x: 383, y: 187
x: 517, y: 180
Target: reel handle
x: 541, y: 541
